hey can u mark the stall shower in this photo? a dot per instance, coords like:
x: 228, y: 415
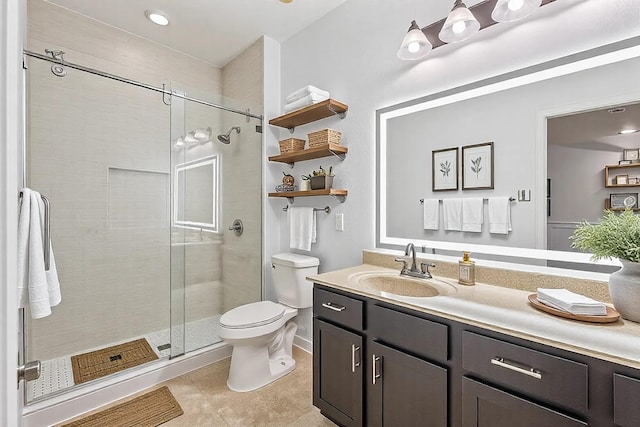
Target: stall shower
x: 142, y: 195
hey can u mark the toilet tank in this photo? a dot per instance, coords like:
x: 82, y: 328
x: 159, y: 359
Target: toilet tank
x: 289, y: 277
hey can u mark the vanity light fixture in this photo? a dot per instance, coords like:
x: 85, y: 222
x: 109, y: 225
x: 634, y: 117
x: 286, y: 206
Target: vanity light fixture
x: 514, y: 10
x: 463, y: 22
x: 459, y: 25
x: 157, y: 16
x: 415, y: 44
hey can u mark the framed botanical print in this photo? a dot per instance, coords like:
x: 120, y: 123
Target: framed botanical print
x: 477, y: 166
x: 444, y: 169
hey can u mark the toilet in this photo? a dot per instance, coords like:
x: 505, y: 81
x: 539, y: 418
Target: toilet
x: 262, y: 332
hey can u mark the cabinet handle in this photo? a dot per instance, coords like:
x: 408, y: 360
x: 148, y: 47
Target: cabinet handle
x: 334, y: 307
x: 355, y: 363
x: 499, y: 361
x: 375, y: 372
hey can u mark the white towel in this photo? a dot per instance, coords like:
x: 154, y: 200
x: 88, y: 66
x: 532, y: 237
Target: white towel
x: 472, y: 209
x: 302, y: 92
x: 499, y: 215
x: 37, y: 288
x: 310, y: 99
x: 566, y: 300
x: 452, y: 214
x: 431, y: 214
x: 302, y: 228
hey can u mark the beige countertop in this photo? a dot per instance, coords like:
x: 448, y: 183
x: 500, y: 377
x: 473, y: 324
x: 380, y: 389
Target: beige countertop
x: 495, y: 308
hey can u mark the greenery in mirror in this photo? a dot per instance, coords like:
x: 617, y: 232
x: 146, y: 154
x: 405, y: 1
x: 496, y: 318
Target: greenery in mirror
x: 616, y: 236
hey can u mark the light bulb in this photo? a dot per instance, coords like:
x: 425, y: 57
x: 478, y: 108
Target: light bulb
x: 458, y: 27
x: 413, y: 47
x: 515, y: 4
x: 157, y: 16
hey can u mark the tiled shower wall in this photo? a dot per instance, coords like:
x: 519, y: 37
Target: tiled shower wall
x: 90, y: 139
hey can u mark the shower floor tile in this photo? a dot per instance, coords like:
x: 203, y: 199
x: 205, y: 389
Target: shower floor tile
x: 57, y: 374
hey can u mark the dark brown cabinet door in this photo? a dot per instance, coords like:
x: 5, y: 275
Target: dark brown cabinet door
x: 337, y: 373
x: 403, y: 390
x: 485, y: 406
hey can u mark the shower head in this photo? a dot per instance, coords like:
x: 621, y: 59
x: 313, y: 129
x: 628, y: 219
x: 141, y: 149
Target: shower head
x: 226, y: 138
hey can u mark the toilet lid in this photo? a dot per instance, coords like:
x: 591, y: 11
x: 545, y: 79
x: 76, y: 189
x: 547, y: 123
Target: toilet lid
x: 252, y: 315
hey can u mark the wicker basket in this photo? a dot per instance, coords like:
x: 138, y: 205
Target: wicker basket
x: 323, y: 137
x: 290, y: 145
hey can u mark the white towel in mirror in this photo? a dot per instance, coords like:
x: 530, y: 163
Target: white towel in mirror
x: 431, y: 214
x: 499, y: 215
x: 472, y: 214
x: 452, y: 214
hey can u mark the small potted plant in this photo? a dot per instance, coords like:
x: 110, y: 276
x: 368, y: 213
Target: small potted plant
x: 616, y: 236
x: 322, y: 179
x: 305, y: 185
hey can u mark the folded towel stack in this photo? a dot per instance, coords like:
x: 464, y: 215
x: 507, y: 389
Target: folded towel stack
x: 563, y: 299
x: 303, y: 97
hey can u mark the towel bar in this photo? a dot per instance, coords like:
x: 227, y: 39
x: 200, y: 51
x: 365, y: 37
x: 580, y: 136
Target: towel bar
x: 327, y: 209
x: 511, y: 199
x: 47, y: 231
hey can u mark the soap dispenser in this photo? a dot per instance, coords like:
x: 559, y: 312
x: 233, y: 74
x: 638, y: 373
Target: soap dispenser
x: 466, y: 273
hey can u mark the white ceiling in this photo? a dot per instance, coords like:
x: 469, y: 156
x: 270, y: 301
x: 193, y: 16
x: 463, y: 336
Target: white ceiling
x: 215, y: 31
x: 597, y: 130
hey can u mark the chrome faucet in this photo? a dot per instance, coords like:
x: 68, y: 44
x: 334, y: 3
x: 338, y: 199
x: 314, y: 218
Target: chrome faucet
x: 413, y: 271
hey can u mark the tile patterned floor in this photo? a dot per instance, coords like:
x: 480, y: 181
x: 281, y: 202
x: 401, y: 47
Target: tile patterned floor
x: 206, y: 400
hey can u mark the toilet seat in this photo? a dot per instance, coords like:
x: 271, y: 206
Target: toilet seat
x: 252, y: 315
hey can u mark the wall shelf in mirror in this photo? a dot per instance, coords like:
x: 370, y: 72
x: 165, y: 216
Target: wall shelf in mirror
x: 311, y: 153
x: 610, y: 172
x: 607, y: 205
x: 311, y: 113
x: 340, y: 195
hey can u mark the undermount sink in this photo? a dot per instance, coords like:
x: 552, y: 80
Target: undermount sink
x: 393, y: 283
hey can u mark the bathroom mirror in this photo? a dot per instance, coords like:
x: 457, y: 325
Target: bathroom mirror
x: 196, y: 195
x: 512, y: 111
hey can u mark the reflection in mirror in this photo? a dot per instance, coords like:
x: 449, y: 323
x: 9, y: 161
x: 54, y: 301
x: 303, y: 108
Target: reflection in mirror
x: 513, y: 111
x: 196, y: 201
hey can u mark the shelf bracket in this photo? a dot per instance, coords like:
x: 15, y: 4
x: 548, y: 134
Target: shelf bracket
x: 341, y: 114
x: 291, y: 164
x: 341, y: 156
x: 290, y: 200
x: 292, y: 129
x: 339, y: 198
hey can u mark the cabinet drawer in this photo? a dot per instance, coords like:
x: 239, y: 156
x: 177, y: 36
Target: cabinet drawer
x: 626, y: 390
x: 410, y: 333
x: 337, y: 308
x: 542, y: 376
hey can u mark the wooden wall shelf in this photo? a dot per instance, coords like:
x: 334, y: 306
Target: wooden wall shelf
x: 619, y: 168
x: 309, y: 114
x: 311, y: 153
x: 338, y: 194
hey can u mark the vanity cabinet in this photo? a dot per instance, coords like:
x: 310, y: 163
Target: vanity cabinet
x: 377, y: 363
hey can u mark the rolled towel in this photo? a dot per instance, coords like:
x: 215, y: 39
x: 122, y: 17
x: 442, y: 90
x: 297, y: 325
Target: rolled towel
x: 310, y: 99
x: 302, y: 92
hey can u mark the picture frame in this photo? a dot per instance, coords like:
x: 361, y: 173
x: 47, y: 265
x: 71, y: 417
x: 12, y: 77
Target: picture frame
x: 617, y: 201
x: 477, y: 166
x: 633, y: 180
x: 624, y: 162
x: 630, y: 154
x: 444, y: 169
x: 622, y: 179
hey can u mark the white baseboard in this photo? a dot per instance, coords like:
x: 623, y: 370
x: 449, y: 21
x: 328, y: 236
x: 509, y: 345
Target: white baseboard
x: 83, y: 399
x: 303, y: 343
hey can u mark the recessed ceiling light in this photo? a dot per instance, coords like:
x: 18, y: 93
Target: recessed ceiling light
x: 157, y: 16
x: 627, y: 131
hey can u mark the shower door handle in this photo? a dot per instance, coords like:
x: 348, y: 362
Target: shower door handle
x: 29, y: 371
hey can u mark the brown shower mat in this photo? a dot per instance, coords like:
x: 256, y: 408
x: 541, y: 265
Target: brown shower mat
x: 149, y: 410
x: 106, y: 361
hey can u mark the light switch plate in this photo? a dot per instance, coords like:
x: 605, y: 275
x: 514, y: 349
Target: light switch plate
x: 340, y: 222
x: 524, y: 195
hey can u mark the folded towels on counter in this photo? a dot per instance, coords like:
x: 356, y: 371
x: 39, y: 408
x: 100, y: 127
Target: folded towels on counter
x: 310, y: 99
x: 472, y: 210
x: 499, y: 215
x: 563, y: 299
x: 431, y: 214
x: 302, y: 228
x: 452, y: 214
x: 307, y: 90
